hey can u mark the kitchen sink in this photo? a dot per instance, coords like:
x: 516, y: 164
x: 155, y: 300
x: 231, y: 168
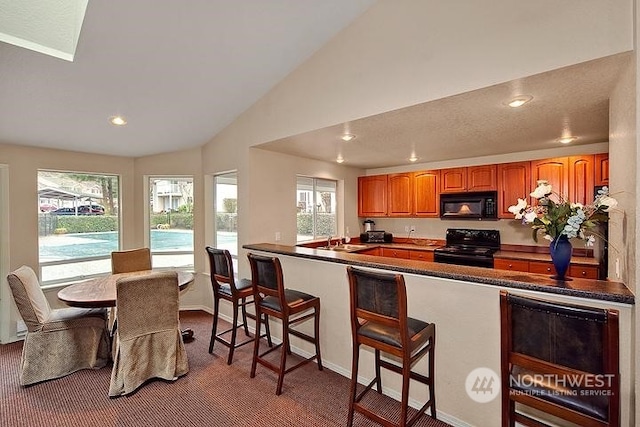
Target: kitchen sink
x: 344, y: 248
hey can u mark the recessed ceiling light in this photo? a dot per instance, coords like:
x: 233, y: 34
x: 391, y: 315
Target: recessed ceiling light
x: 413, y: 158
x: 567, y: 139
x: 519, y: 101
x: 117, y: 120
x: 348, y: 137
x: 340, y: 159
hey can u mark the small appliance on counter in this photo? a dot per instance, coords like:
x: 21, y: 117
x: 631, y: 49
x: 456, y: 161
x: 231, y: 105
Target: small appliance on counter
x: 369, y: 225
x: 376, y: 236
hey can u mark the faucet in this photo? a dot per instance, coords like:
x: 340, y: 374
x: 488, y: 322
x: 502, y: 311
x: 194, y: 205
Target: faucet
x: 329, y: 241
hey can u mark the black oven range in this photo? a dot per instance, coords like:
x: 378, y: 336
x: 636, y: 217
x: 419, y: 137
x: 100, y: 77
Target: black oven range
x: 469, y: 247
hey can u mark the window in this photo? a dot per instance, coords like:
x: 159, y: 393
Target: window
x: 171, y: 222
x: 226, y: 212
x: 78, y: 224
x: 316, y: 203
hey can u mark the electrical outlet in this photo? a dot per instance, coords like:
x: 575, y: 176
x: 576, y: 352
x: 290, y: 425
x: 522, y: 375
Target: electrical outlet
x: 617, y: 268
x: 413, y: 228
x: 278, y: 236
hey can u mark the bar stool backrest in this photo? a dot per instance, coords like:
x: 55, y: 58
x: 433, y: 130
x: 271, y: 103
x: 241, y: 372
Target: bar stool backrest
x: 221, y: 266
x: 267, y: 278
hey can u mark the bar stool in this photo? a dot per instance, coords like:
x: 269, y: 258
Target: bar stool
x: 290, y: 306
x: 561, y: 359
x: 239, y: 293
x: 379, y: 319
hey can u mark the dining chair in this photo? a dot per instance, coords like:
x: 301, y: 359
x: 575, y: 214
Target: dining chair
x: 130, y: 260
x: 559, y: 359
x: 239, y: 293
x: 148, y: 343
x: 290, y: 306
x: 378, y: 308
x: 58, y: 341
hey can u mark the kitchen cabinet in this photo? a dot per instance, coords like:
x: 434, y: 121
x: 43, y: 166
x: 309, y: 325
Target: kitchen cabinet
x: 513, y: 183
x: 472, y: 178
x: 395, y: 253
x: 426, y: 194
x: 372, y: 196
x: 511, y: 264
x: 585, y: 272
x: 541, y: 267
x: 555, y: 171
x: 372, y: 251
x: 581, y: 179
x: 482, y: 178
x: 421, y: 255
x: 453, y: 180
x: 400, y: 194
x: 601, y: 169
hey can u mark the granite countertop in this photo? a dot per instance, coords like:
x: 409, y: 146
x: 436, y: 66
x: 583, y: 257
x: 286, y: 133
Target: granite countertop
x: 584, y: 288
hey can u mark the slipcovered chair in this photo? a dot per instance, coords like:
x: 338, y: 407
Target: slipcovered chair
x: 59, y: 341
x: 131, y: 260
x: 147, y: 343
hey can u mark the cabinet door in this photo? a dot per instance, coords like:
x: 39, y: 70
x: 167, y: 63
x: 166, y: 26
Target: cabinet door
x: 395, y: 253
x: 511, y: 264
x: 372, y: 251
x: 541, y: 267
x: 421, y: 255
x: 481, y: 178
x: 453, y: 180
x: 602, y: 169
x: 555, y: 171
x: 400, y: 194
x: 513, y: 183
x: 581, y: 179
x: 426, y: 194
x: 372, y: 195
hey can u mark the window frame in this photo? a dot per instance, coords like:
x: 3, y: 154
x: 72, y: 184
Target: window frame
x: 314, y: 210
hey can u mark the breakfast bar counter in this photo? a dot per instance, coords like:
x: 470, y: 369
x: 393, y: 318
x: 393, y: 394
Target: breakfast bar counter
x: 583, y: 288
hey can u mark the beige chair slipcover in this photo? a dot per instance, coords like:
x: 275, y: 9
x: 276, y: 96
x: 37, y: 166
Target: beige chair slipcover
x: 131, y: 260
x: 58, y: 341
x: 148, y: 343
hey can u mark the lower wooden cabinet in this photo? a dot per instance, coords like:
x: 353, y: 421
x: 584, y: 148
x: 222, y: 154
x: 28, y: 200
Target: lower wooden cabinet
x: 544, y: 267
x: 373, y: 251
x: 395, y: 253
x: 421, y: 255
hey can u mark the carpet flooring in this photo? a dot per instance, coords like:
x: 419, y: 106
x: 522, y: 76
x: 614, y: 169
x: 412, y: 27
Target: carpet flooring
x: 211, y: 394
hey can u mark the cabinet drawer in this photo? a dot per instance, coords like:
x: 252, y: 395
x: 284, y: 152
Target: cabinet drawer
x: 395, y: 253
x: 511, y: 264
x: 374, y: 251
x: 421, y: 255
x: 583, y: 272
x: 541, y: 267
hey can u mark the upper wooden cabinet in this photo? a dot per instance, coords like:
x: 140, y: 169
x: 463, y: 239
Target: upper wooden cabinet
x: 472, y: 178
x: 555, y: 171
x: 513, y: 184
x: 400, y: 194
x: 601, y: 169
x: 372, y: 195
x: 581, y: 179
x: 482, y: 178
x: 427, y: 195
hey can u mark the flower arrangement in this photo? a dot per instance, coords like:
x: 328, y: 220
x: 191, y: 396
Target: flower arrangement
x: 558, y: 217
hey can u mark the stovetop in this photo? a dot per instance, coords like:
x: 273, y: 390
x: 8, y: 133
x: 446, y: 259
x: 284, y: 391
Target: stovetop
x: 466, y: 250
x: 464, y: 241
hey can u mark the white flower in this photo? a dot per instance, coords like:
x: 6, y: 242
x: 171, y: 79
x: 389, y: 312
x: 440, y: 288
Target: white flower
x: 607, y: 201
x: 549, y: 238
x: 577, y: 206
x: 529, y: 217
x: 543, y: 189
x: 590, y: 240
x: 519, y: 208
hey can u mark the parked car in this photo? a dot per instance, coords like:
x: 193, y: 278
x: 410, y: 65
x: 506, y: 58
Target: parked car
x: 82, y: 210
x: 46, y: 207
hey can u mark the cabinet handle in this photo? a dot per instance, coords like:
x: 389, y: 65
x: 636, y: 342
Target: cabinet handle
x: 584, y: 273
x: 510, y: 266
x: 548, y: 269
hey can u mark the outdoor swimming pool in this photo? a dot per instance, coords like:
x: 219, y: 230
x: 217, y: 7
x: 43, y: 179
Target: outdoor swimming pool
x: 84, y: 245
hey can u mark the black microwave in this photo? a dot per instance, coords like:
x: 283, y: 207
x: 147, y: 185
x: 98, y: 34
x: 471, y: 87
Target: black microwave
x: 480, y: 205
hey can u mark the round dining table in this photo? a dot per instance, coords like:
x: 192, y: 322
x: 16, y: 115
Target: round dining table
x: 101, y: 291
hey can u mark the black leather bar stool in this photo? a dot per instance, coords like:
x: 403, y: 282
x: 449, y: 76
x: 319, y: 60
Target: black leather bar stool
x: 561, y: 359
x: 379, y: 320
x: 239, y: 293
x: 290, y: 306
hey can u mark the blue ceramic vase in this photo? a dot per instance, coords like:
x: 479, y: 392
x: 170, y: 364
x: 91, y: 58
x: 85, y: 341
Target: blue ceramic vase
x: 561, y: 250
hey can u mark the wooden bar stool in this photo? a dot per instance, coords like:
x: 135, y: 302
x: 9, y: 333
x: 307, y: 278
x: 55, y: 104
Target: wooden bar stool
x: 561, y: 359
x: 379, y: 320
x: 290, y: 306
x: 239, y: 293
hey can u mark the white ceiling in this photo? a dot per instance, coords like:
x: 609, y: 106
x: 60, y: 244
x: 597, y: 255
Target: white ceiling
x: 180, y: 72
